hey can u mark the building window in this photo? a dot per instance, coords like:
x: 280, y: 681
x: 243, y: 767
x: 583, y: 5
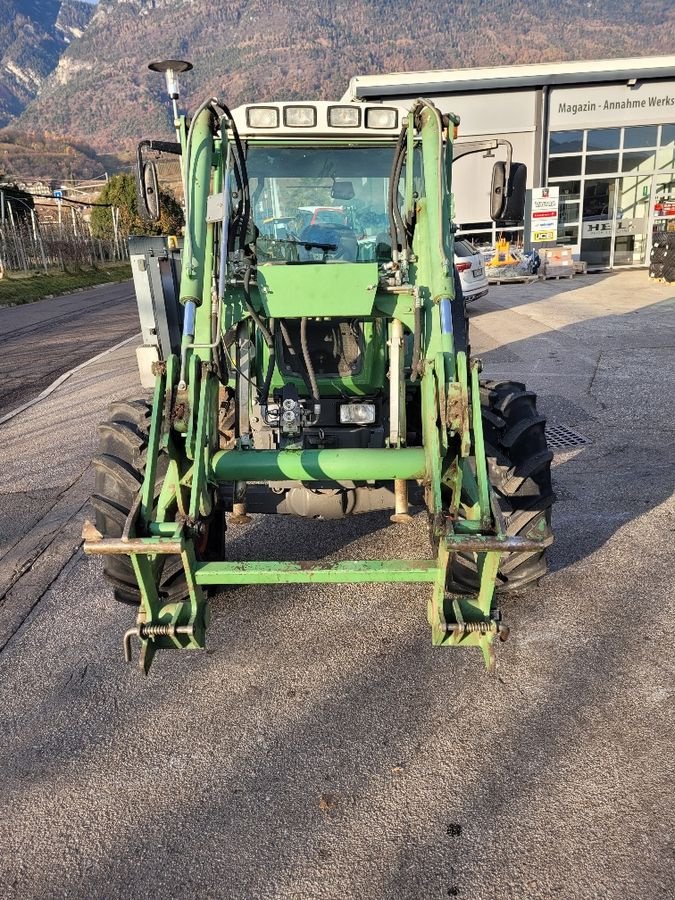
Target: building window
x: 565, y: 142
x: 638, y: 161
x: 640, y: 136
x: 597, y: 164
x: 667, y: 135
x: 569, y: 191
x: 567, y: 234
x: 665, y: 158
x: 561, y: 166
x: 603, y: 139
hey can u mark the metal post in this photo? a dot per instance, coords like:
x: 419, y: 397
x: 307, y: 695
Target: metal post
x: 239, y: 514
x: 397, y: 425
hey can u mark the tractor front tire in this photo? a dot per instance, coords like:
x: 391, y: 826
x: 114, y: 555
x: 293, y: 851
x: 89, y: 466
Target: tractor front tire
x: 519, y: 469
x: 119, y: 469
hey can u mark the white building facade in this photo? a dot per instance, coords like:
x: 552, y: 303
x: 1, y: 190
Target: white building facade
x: 603, y: 131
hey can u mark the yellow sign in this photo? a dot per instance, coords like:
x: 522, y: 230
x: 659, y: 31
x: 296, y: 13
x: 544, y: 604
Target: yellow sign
x: 548, y: 235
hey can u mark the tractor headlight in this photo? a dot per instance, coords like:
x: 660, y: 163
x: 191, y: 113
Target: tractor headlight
x: 381, y: 117
x: 357, y: 414
x: 344, y: 116
x: 300, y: 116
x: 263, y: 117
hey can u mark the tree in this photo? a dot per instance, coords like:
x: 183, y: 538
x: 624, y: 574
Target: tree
x: 120, y: 191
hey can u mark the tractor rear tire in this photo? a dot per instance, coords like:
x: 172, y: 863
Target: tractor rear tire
x: 119, y: 470
x: 519, y: 468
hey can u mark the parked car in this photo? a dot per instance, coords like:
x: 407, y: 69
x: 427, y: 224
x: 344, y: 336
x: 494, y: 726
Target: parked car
x: 471, y: 267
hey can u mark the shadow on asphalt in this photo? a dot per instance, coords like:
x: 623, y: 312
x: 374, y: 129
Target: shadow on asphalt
x: 380, y: 715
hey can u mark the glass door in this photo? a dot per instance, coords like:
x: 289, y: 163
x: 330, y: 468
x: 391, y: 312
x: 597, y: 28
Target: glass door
x: 664, y: 203
x: 615, y: 221
x: 597, y: 221
x: 631, y: 220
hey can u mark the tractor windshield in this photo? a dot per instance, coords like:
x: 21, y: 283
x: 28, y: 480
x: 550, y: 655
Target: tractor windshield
x: 320, y: 204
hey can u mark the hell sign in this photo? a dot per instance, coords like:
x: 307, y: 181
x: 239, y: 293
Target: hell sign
x: 544, y: 215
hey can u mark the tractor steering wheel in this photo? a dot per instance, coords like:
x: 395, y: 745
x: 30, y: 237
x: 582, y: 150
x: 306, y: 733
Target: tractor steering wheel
x: 341, y: 236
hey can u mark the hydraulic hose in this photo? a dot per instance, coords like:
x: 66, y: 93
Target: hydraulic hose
x: 308, y: 365
x: 288, y: 341
x: 243, y: 176
x: 396, y: 226
x: 251, y: 311
x: 264, y: 391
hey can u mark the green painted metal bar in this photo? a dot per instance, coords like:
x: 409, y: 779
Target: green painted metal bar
x: 318, y: 465
x: 199, y: 180
x: 148, y: 489
x: 437, y: 220
x: 432, y: 441
x: 198, y: 478
x: 479, y: 450
x: 316, y: 572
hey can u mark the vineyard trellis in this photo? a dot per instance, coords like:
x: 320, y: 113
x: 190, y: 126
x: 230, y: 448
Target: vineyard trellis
x: 29, y: 242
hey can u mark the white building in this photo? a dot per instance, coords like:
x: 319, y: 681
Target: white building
x: 602, y: 130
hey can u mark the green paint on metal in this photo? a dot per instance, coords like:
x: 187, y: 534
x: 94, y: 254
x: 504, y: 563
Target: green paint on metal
x: 200, y: 153
x: 399, y: 571
x: 479, y: 451
x: 318, y: 465
x: 308, y: 289
x: 148, y: 489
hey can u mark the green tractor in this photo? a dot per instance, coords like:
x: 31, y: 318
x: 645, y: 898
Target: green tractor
x: 308, y: 348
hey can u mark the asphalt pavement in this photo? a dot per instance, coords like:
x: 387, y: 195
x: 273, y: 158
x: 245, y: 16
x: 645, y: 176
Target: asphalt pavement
x: 40, y: 341
x: 321, y: 748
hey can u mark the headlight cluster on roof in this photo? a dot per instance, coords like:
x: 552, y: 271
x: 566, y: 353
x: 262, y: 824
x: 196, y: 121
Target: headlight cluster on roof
x: 322, y: 117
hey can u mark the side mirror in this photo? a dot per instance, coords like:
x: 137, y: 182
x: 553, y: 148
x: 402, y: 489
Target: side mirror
x: 147, y: 186
x: 151, y: 191
x: 507, y: 196
x: 498, y: 191
x: 342, y: 190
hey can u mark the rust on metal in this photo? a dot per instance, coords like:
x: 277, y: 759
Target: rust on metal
x: 111, y: 546
x: 90, y: 532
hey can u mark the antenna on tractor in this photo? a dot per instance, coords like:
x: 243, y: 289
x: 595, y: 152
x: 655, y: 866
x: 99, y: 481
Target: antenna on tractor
x: 172, y: 68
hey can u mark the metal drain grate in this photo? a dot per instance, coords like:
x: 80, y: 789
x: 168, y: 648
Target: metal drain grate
x: 561, y: 437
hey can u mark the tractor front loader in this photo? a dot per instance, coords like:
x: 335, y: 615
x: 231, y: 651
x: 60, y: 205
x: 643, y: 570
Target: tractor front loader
x: 309, y: 350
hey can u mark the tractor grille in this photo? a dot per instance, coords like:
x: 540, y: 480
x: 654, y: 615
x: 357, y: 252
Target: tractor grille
x: 335, y: 348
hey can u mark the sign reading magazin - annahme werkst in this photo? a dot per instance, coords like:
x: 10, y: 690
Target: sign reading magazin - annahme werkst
x: 596, y: 106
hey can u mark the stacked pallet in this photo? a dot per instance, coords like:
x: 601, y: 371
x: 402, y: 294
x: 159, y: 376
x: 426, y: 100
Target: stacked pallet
x: 662, y: 257
x: 556, y: 262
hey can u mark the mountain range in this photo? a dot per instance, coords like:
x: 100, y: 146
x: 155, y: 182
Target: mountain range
x: 34, y: 34
x: 70, y: 68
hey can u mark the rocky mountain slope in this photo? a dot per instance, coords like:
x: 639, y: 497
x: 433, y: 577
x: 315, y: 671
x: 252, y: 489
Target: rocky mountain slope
x: 244, y: 50
x: 33, y: 36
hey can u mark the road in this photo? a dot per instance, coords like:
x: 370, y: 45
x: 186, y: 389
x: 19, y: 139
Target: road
x: 39, y: 341
x: 321, y: 748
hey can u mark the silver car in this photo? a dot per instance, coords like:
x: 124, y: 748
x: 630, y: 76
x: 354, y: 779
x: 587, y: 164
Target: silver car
x: 471, y: 267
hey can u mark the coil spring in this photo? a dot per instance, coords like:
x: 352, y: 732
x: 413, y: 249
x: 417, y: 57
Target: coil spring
x: 502, y: 631
x: 474, y: 627
x: 147, y: 631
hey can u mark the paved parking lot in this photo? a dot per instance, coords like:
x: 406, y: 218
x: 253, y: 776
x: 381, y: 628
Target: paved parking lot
x: 321, y: 748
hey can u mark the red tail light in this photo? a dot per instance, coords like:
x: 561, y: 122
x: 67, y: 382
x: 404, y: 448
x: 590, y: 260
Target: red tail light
x: 463, y: 266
